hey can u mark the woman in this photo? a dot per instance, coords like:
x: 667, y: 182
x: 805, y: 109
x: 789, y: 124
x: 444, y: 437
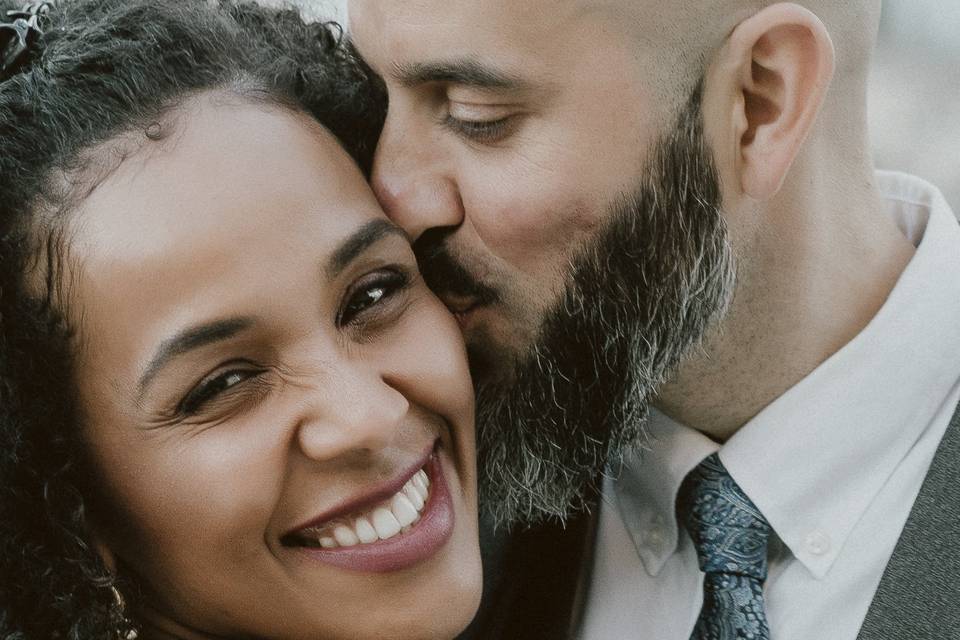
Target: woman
x: 229, y: 407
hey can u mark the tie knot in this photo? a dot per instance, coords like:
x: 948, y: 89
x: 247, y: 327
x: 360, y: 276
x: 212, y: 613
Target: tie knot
x: 727, y: 529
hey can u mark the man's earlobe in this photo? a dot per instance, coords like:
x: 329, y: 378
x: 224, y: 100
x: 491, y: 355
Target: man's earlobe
x: 782, y: 61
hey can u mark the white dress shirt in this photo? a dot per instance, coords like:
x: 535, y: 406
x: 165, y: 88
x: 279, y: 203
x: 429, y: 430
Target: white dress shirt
x: 834, y: 464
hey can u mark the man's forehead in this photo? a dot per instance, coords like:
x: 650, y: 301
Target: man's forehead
x: 430, y: 12
x: 513, y: 34
x: 456, y: 19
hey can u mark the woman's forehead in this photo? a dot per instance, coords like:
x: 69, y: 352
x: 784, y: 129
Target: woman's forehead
x: 235, y: 208
x: 226, y: 174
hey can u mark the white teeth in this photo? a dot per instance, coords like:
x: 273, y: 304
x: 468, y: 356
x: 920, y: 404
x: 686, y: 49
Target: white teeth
x: 421, y: 482
x: 366, y: 531
x: 345, y: 536
x: 403, y: 509
x: 328, y: 543
x: 413, y: 494
x: 396, y: 515
x: 385, y: 523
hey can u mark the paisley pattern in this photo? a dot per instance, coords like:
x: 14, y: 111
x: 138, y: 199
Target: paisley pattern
x: 731, y: 537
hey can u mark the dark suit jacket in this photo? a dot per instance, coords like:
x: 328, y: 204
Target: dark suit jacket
x: 537, y: 581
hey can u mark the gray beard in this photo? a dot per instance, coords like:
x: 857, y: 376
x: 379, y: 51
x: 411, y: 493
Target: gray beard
x: 638, y: 299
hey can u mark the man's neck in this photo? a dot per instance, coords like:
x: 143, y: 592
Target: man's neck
x: 813, y: 276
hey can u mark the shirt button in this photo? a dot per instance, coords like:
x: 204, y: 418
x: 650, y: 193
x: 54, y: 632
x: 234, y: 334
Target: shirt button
x: 817, y: 543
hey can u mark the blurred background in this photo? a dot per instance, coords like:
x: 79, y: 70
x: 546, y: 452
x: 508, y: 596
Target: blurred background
x: 915, y: 89
x: 915, y: 92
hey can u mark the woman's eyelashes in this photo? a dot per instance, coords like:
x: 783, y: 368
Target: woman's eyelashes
x: 224, y: 381
x: 367, y: 301
x: 370, y: 295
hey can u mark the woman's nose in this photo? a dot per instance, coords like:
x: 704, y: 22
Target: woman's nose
x: 359, y: 412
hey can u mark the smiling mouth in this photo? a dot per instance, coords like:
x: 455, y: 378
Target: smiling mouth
x: 390, y: 518
x: 400, y: 528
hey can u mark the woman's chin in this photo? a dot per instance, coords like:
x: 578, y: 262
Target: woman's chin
x: 438, y: 598
x: 435, y: 600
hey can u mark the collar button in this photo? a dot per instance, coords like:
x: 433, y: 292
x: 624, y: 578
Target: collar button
x: 817, y: 543
x: 654, y: 538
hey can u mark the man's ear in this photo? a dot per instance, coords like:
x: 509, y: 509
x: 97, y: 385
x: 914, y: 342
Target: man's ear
x: 779, y: 64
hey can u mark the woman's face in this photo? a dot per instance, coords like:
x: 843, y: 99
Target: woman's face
x: 270, y: 391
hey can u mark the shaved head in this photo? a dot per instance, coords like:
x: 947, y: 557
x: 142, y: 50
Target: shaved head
x: 678, y: 39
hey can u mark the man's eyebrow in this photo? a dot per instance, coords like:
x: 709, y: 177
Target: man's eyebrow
x: 189, y: 339
x: 358, y: 242
x: 466, y: 72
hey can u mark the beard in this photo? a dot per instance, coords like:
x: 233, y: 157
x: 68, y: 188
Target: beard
x: 639, y: 297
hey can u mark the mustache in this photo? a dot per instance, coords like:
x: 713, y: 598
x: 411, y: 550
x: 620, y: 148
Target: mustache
x: 445, y: 274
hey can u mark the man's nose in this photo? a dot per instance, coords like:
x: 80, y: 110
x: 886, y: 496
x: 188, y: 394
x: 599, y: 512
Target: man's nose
x: 414, y: 184
x: 358, y: 413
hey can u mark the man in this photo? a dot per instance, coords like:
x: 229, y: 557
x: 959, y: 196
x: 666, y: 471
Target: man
x: 630, y: 202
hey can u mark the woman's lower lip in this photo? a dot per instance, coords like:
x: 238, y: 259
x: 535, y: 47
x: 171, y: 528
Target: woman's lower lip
x: 408, y: 549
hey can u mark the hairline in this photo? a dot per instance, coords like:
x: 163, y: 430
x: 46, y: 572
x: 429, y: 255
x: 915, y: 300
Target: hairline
x: 51, y: 272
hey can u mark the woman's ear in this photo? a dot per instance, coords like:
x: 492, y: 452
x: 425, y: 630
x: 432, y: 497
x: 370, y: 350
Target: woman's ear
x: 776, y: 68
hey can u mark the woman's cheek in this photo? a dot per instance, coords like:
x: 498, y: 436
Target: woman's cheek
x: 426, y: 358
x: 196, y: 491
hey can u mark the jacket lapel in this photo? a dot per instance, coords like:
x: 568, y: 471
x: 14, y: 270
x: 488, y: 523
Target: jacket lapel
x: 919, y: 594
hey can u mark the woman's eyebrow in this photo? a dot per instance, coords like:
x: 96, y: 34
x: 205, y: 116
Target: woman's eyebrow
x: 197, y: 336
x: 189, y: 339
x: 359, y: 241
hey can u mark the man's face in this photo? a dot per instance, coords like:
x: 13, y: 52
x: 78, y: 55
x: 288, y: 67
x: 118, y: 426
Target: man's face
x: 512, y: 128
x: 563, y: 209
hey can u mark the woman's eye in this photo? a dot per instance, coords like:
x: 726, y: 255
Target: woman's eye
x: 213, y: 386
x: 369, y: 292
x: 483, y: 131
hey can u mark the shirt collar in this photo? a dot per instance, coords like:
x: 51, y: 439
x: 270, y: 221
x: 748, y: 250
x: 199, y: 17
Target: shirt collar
x: 646, y: 488
x: 831, y: 442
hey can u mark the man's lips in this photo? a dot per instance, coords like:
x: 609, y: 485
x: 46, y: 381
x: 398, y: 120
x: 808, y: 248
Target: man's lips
x: 464, y: 314
x: 460, y: 305
x: 463, y: 308
x: 368, y: 498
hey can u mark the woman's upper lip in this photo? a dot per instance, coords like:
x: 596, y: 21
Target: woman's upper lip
x: 370, y: 497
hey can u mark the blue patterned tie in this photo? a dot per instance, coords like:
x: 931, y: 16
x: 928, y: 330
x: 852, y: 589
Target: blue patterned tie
x: 731, y: 538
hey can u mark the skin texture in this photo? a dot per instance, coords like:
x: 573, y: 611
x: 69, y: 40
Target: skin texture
x: 236, y: 213
x: 784, y: 115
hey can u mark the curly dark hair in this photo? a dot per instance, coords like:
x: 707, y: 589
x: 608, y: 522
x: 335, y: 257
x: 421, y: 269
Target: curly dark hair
x: 103, y: 69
